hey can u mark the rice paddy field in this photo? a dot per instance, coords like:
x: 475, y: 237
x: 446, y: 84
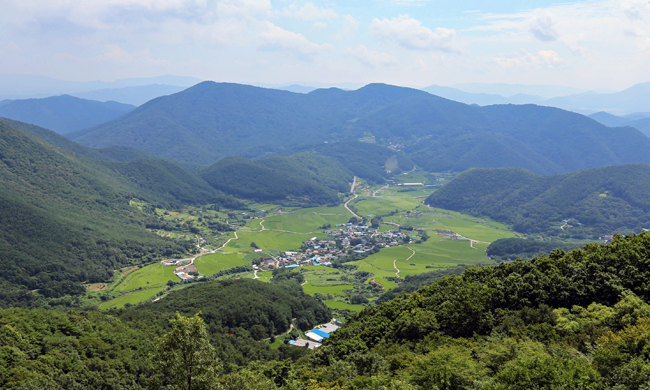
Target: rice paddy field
x: 307, y: 220
x: 209, y: 265
x: 344, y: 306
x: 133, y: 298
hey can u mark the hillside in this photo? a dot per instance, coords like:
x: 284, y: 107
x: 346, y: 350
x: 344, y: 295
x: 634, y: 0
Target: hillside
x: 577, y: 320
x: 209, y: 121
x: 572, y: 320
x: 246, y: 308
x: 64, y: 113
x: 303, y: 177
x: 66, y: 219
x: 592, y: 202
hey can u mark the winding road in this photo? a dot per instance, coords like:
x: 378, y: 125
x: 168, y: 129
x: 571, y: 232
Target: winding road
x: 354, y: 183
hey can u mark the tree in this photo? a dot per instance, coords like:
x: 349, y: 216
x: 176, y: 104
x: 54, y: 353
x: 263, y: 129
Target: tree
x: 184, y: 358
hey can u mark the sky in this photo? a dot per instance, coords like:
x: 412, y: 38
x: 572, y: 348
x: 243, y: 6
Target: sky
x: 586, y: 44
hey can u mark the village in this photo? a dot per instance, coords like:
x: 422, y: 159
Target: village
x: 348, y: 239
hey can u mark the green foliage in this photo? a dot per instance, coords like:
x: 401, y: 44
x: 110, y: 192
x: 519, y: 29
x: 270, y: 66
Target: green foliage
x: 184, y: 359
x: 519, y: 248
x: 235, y: 307
x: 72, y: 350
x: 63, y: 222
x: 311, y: 178
x: 595, y: 201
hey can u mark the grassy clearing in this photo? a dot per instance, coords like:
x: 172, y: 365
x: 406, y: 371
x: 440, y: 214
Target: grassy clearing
x: 414, y: 177
x: 308, y: 220
x: 132, y: 298
x: 209, y: 265
x: 154, y: 275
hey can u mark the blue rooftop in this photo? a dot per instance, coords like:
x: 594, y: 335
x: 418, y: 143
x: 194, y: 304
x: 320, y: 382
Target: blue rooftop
x: 292, y: 342
x: 291, y: 266
x: 320, y: 333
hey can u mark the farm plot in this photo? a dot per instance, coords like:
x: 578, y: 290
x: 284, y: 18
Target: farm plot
x: 132, y: 298
x: 154, y: 275
x: 270, y: 240
x: 308, y: 220
x: 344, y: 306
x: 380, y: 205
x: 323, y: 280
x: 209, y: 265
x: 475, y: 231
x: 441, y: 254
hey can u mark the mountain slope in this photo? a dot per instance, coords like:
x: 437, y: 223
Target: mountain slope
x: 594, y: 202
x: 64, y: 113
x: 310, y: 178
x: 62, y: 223
x: 210, y: 121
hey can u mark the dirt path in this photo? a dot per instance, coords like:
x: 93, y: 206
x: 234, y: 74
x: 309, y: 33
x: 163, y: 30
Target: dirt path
x: 261, y: 224
x: 303, y: 283
x: 471, y: 243
x: 354, y: 183
x: 395, y: 266
x: 255, y: 273
x: 381, y: 189
x: 226, y: 243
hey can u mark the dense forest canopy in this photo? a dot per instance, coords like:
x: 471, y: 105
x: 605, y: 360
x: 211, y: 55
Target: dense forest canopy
x: 582, y: 204
x: 304, y: 177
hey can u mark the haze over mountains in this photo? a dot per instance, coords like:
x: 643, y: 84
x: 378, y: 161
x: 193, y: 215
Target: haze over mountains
x: 212, y: 120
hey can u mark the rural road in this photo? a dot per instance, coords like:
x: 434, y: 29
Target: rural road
x: 226, y: 243
x: 261, y: 224
x: 354, y: 183
x: 471, y: 243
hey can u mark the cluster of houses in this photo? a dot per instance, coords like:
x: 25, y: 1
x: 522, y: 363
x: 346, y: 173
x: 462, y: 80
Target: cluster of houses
x: 315, y: 337
x: 348, y: 238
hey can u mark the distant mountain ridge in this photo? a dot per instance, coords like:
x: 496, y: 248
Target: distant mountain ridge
x: 595, y: 201
x: 640, y: 121
x: 64, y: 113
x: 212, y: 120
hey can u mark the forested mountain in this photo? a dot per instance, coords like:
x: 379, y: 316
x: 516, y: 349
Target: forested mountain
x: 210, y: 121
x: 245, y: 309
x: 116, y: 153
x: 640, y: 121
x: 366, y: 160
x: 302, y: 177
x: 64, y: 113
x: 66, y: 219
x: 582, y: 204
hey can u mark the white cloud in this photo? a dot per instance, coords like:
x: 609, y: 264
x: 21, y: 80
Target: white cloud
x: 308, y: 12
x: 543, y: 28
x: 317, y: 26
x: 544, y: 58
x: 635, y: 9
x: 371, y: 58
x: 350, y: 27
x: 411, y: 34
x: 275, y: 38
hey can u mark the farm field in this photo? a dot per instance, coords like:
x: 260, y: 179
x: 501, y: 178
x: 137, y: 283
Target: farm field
x: 382, y: 205
x: 209, y: 265
x: 308, y: 220
x: 154, y: 275
x: 344, y: 306
x: 324, y: 280
x: 413, y: 177
x: 132, y: 298
x: 475, y: 231
x: 269, y: 240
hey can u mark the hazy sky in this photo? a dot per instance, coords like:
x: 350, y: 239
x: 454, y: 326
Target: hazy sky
x: 589, y: 44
